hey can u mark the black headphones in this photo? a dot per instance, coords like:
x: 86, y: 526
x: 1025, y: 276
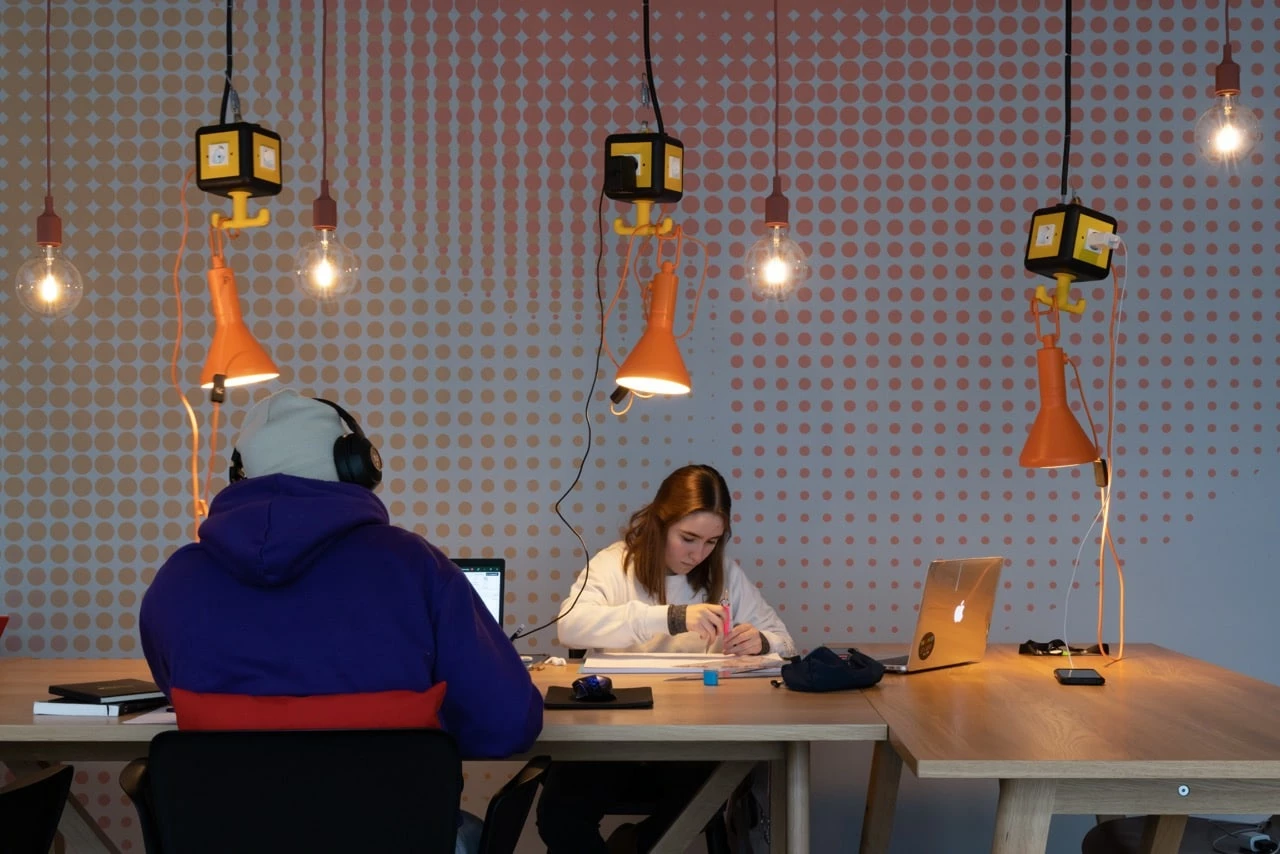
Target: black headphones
x: 354, y: 456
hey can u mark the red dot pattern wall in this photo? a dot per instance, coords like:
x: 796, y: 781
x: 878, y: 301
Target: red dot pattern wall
x: 867, y: 425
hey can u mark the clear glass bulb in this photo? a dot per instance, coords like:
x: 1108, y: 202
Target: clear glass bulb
x: 49, y: 285
x: 1228, y: 130
x: 326, y: 269
x: 776, y: 265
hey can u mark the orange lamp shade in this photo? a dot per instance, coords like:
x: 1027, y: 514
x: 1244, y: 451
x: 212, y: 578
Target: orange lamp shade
x: 654, y: 365
x: 1056, y: 439
x: 234, y: 353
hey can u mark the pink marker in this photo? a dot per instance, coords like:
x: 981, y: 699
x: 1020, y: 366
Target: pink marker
x: 724, y: 604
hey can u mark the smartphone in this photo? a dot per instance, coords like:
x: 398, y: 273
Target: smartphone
x: 1079, y: 676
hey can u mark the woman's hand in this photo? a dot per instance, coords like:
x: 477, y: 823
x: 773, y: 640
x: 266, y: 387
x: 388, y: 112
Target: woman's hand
x: 705, y: 620
x: 744, y: 639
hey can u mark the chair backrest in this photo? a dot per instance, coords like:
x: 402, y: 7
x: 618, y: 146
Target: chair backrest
x: 30, y: 808
x: 314, y: 791
x: 509, y: 808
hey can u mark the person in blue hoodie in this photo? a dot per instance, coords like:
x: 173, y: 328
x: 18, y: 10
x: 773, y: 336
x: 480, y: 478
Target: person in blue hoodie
x: 302, y: 606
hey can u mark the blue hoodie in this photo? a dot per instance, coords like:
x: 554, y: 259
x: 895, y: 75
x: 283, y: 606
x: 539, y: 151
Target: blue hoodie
x: 302, y: 587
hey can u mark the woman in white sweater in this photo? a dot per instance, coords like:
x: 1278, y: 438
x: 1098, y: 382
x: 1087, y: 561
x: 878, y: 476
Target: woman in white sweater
x: 663, y: 587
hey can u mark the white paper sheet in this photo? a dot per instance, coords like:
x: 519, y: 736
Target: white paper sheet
x: 682, y: 662
x: 156, y: 717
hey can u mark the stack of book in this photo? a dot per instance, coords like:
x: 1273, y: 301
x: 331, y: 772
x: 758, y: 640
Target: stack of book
x: 102, y: 699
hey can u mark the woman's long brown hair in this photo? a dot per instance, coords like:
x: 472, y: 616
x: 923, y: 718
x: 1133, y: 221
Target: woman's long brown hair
x: 691, y: 489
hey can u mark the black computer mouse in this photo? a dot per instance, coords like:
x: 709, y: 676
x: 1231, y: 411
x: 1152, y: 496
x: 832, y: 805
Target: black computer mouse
x: 593, y: 688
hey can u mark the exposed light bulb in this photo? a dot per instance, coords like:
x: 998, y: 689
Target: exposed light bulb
x: 1228, y: 130
x: 776, y: 265
x: 326, y: 269
x: 48, y: 284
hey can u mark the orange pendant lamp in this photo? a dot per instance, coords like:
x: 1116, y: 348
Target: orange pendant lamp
x: 654, y: 365
x: 1056, y: 438
x: 234, y: 353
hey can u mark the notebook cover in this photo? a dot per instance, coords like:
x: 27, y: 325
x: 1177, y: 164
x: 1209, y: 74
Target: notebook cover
x: 561, y: 697
x: 115, y: 690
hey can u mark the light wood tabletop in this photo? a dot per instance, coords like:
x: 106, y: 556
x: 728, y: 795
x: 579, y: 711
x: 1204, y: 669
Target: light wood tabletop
x: 1166, y: 735
x: 736, y: 710
x: 737, y: 723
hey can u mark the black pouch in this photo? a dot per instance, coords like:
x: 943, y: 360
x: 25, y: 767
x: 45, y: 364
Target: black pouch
x: 1057, y: 646
x: 824, y: 670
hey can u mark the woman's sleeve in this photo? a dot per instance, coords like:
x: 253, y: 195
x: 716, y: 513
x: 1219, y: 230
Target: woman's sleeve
x: 606, y: 616
x: 749, y: 606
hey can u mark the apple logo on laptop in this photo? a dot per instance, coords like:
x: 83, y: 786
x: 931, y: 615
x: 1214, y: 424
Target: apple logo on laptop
x: 959, y: 614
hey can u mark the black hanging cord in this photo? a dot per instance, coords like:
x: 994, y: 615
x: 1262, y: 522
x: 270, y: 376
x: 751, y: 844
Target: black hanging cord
x: 648, y: 71
x: 48, y: 97
x: 1226, y: 24
x: 777, y: 90
x: 324, y: 92
x: 586, y: 415
x: 226, y: 83
x: 1066, y: 96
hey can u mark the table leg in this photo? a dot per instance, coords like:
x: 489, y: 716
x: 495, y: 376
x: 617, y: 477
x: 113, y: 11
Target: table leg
x: 882, y: 799
x: 698, y: 812
x: 778, y: 806
x: 78, y: 830
x: 1162, y: 834
x: 798, y: 797
x: 1022, y: 816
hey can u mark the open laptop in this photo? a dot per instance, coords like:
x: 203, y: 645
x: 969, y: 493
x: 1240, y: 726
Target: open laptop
x: 955, y: 615
x: 488, y: 576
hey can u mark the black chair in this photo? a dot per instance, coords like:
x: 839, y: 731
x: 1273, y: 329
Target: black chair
x: 509, y: 807
x: 339, y: 791
x: 30, y: 808
x: 314, y: 791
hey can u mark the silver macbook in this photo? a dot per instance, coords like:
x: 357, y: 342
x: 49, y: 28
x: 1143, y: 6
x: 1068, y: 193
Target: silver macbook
x: 955, y: 615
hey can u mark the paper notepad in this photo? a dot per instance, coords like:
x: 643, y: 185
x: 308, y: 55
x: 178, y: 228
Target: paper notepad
x: 682, y: 663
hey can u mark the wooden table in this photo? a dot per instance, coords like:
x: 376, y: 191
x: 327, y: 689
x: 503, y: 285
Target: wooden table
x: 1168, y: 735
x: 737, y: 723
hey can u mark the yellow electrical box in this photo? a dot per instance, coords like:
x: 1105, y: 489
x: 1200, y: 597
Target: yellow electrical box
x: 240, y: 158
x: 646, y: 167
x: 1058, y: 243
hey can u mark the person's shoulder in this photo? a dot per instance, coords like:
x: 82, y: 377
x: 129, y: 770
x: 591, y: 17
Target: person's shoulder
x: 611, y: 556
x: 612, y: 549
x: 734, y: 573
x: 180, y: 565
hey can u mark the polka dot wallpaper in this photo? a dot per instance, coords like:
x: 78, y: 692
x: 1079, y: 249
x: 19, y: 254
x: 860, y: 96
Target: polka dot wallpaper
x: 867, y: 425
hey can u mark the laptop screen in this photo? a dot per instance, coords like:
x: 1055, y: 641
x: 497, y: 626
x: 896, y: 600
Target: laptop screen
x: 487, y: 575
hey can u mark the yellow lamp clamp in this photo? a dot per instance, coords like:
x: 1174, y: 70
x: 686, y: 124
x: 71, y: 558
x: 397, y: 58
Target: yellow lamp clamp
x: 643, y: 227
x: 1061, y: 296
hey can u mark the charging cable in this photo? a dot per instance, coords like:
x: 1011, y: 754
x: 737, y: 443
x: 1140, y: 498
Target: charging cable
x: 1251, y: 841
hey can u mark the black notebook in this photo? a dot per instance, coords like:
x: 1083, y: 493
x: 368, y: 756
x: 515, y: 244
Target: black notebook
x: 112, y: 691
x: 561, y: 697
